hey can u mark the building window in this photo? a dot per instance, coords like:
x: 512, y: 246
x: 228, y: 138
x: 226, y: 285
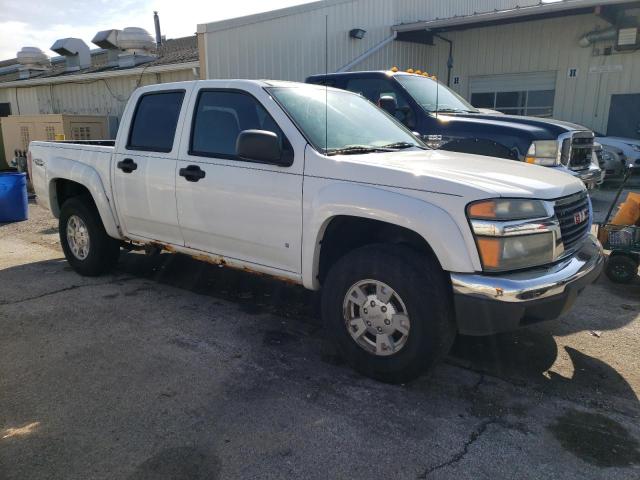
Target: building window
x: 535, y: 103
x: 80, y: 133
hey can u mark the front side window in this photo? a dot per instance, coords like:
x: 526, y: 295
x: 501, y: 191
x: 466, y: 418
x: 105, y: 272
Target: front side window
x: 334, y: 120
x: 374, y: 89
x: 220, y: 116
x: 433, y: 96
x: 154, y: 123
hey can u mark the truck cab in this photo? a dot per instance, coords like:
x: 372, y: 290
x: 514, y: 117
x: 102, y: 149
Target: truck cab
x: 447, y: 121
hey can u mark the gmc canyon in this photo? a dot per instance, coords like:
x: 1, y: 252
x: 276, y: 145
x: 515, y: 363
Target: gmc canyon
x: 318, y: 186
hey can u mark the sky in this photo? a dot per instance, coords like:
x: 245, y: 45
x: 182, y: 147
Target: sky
x: 38, y: 23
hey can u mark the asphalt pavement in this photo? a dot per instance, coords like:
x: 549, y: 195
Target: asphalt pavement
x: 170, y: 368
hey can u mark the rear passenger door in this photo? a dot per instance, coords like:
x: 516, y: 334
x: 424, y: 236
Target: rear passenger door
x: 231, y: 207
x: 144, y: 168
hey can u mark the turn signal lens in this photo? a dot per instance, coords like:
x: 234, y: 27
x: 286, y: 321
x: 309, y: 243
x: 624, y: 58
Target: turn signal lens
x: 482, y: 210
x: 490, y: 249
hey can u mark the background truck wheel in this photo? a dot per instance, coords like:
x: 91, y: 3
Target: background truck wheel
x: 621, y: 269
x: 389, y: 311
x: 86, y: 245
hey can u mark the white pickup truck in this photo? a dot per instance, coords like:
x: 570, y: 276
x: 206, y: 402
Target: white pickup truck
x: 319, y: 187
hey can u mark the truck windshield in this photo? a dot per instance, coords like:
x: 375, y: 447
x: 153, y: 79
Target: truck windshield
x: 433, y: 97
x: 338, y: 122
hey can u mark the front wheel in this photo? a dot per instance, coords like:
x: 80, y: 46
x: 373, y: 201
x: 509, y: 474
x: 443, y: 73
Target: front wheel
x: 86, y: 245
x: 621, y: 269
x: 389, y: 311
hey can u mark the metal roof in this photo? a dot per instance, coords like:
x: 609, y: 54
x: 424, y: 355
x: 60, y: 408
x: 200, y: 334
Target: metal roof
x: 512, y: 14
x: 174, y: 52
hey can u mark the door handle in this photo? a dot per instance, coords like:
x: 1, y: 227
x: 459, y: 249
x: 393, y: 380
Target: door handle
x: 127, y: 165
x: 192, y: 173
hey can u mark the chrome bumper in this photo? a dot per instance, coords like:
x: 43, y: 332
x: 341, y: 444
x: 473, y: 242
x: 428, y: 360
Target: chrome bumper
x: 591, y: 176
x: 487, y: 304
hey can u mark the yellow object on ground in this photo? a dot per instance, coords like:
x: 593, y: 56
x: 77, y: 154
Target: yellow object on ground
x: 628, y: 214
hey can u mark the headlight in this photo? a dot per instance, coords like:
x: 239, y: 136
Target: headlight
x: 512, y: 234
x: 507, y: 209
x: 544, y: 152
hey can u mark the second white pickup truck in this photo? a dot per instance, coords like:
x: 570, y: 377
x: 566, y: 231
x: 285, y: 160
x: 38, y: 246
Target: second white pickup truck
x: 320, y: 187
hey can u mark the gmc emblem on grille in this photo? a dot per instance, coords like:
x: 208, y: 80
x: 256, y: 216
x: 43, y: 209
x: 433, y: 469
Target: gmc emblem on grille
x: 580, y: 216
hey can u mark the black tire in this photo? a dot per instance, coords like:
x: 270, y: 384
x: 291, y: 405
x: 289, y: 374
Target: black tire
x: 103, y: 250
x: 621, y: 269
x: 426, y: 293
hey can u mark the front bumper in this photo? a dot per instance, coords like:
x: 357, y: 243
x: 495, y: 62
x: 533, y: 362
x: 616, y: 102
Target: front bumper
x: 488, y: 304
x: 591, y: 176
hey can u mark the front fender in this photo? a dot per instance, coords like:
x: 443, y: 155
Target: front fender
x: 433, y: 223
x: 60, y: 168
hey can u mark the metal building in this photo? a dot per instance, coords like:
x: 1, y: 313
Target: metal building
x: 576, y: 60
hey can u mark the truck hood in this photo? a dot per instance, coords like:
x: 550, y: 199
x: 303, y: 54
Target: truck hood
x: 449, y: 173
x: 537, y: 128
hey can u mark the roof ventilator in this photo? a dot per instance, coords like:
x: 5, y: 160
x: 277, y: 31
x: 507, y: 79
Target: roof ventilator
x: 137, y: 47
x: 75, y: 52
x: 32, y: 62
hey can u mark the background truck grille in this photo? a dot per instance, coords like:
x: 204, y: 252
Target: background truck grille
x: 574, y: 224
x: 576, y: 151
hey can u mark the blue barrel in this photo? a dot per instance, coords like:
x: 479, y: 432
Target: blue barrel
x: 14, y: 204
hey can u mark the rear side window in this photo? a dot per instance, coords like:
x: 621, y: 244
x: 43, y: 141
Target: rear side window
x: 154, y: 122
x: 220, y: 116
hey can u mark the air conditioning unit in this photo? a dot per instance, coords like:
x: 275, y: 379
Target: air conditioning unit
x: 627, y: 39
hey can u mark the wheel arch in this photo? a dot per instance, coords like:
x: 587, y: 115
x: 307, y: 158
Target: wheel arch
x: 336, y: 214
x: 68, y: 178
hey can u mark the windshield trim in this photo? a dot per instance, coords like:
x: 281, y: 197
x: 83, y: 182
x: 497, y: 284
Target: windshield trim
x: 459, y: 97
x: 322, y: 150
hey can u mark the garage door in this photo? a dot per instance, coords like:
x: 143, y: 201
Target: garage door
x: 515, y: 94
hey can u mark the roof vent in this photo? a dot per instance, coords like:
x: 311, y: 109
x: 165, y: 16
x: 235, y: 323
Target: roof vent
x: 137, y: 45
x: 108, y: 40
x: 32, y: 60
x: 75, y: 52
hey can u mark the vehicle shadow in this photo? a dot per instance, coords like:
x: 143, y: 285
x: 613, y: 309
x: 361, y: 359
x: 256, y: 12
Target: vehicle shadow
x: 521, y: 357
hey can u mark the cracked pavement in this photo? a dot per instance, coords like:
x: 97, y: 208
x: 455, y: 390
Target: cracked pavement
x: 175, y: 369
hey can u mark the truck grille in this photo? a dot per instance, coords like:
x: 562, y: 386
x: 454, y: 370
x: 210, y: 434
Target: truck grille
x: 576, y: 150
x: 574, y: 214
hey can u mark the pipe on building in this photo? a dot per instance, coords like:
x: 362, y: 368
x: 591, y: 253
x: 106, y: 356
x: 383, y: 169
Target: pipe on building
x: 368, y: 53
x: 156, y: 22
x: 598, y: 36
x: 450, y: 59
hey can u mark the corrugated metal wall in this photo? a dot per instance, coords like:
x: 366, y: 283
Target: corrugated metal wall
x: 544, y: 46
x: 106, y: 96
x: 293, y: 47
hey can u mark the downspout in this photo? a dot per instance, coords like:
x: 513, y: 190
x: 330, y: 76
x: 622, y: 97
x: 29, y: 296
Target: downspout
x: 450, y: 59
x: 368, y: 53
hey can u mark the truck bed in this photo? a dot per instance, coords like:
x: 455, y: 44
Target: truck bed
x: 52, y: 160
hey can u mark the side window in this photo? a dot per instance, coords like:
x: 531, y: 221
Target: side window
x: 375, y: 88
x: 154, y: 123
x: 220, y: 116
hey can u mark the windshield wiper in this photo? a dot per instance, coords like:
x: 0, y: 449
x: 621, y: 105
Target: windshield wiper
x: 402, y: 145
x: 356, y: 149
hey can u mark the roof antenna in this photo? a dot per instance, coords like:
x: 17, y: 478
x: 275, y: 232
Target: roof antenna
x: 437, y: 82
x: 326, y: 86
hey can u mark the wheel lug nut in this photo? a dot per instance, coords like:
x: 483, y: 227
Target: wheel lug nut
x: 365, y: 310
x: 379, y: 329
x: 384, y: 309
x: 368, y: 324
x: 387, y: 322
x: 373, y: 303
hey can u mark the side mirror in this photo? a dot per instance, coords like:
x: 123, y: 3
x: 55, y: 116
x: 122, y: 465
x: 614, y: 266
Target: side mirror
x: 389, y: 104
x: 260, y: 146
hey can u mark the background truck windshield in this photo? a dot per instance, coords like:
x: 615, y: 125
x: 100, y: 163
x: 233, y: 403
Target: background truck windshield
x: 433, y: 97
x: 353, y: 121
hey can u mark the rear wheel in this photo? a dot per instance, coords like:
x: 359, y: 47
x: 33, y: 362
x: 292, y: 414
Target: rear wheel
x: 389, y: 311
x: 86, y: 245
x: 621, y: 269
